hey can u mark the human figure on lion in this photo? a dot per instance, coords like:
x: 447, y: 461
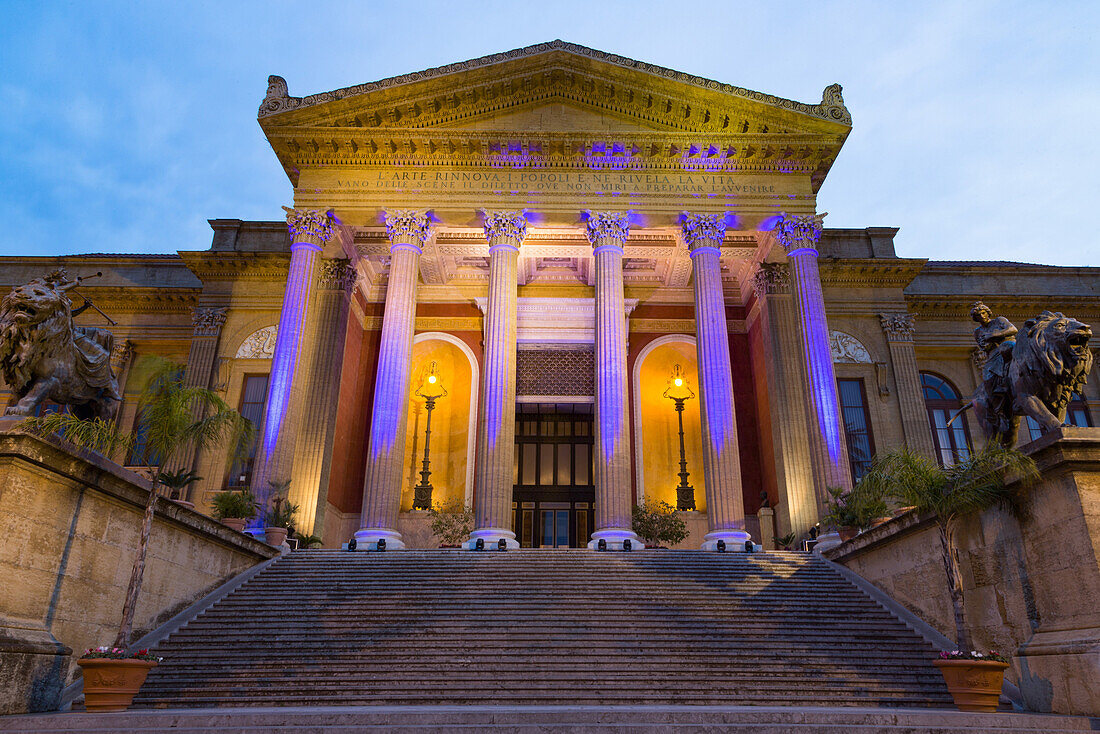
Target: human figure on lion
x: 43, y: 356
x: 1034, y: 374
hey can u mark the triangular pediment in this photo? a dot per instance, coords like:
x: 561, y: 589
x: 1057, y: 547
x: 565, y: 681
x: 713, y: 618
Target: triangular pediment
x: 653, y: 98
x: 555, y: 116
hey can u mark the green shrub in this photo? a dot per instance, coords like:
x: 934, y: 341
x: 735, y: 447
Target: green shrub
x: 656, y: 522
x: 239, y: 504
x: 452, y: 521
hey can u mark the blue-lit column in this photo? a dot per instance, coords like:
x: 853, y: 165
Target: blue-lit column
x: 496, y: 425
x: 607, y: 231
x: 407, y: 230
x: 799, y: 236
x: 309, y: 231
x: 704, y: 234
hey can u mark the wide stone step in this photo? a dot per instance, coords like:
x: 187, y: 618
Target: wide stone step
x: 547, y: 720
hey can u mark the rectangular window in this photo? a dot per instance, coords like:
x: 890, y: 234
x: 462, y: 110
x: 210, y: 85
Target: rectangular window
x: 857, y: 425
x: 253, y: 399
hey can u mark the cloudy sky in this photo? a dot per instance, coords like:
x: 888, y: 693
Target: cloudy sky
x: 125, y: 126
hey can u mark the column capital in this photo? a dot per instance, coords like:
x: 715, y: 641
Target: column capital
x: 771, y: 278
x: 798, y: 233
x: 309, y: 225
x: 899, y: 327
x: 408, y: 227
x: 505, y: 228
x: 602, y: 226
x: 207, y: 321
x: 703, y: 230
x: 337, y: 275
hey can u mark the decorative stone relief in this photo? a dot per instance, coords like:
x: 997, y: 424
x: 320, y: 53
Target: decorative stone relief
x: 505, y: 225
x: 899, y: 327
x: 260, y: 344
x: 771, y: 278
x: 798, y: 232
x: 408, y: 225
x: 311, y: 223
x: 121, y: 355
x: 208, y: 321
x: 697, y: 227
x: 337, y: 275
x: 847, y: 349
x: 607, y: 225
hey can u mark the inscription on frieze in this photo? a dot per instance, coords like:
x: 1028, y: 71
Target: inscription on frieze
x: 563, y: 182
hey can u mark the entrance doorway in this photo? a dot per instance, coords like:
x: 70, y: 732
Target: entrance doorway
x: 553, y: 493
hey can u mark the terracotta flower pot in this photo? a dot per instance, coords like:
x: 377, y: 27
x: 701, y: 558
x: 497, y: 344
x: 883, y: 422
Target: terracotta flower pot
x: 110, y: 685
x: 275, y: 536
x: 236, y: 523
x: 847, y: 532
x: 974, y: 684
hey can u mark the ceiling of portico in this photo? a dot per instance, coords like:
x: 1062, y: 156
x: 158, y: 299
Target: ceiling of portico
x: 554, y: 107
x: 554, y: 257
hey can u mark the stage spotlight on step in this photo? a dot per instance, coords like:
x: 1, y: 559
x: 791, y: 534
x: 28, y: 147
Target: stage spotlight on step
x: 352, y: 544
x: 381, y: 545
x: 627, y: 544
x: 502, y: 545
x: 749, y: 548
x: 721, y: 546
x: 602, y: 545
x: 480, y: 544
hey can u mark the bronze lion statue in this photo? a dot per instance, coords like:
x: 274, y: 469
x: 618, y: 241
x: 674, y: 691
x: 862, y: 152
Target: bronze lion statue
x: 43, y: 356
x: 1047, y: 362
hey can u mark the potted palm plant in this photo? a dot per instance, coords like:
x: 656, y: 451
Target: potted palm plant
x: 177, y: 483
x: 279, y: 518
x: 235, y: 508
x: 656, y: 522
x: 948, y: 494
x: 172, y: 415
x: 850, y: 511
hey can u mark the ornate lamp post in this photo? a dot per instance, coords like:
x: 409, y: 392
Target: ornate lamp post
x: 431, y: 389
x: 679, y: 393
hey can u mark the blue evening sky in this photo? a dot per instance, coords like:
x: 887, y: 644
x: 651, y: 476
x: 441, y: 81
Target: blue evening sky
x: 125, y: 126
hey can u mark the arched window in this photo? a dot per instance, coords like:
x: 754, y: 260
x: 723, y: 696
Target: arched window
x: 942, y: 401
x: 1077, y: 414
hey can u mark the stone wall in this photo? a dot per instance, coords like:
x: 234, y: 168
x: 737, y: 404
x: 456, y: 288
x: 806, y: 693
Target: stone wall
x: 70, y: 522
x: 1031, y: 584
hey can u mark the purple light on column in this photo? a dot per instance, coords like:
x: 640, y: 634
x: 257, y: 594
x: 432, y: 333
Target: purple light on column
x: 296, y: 300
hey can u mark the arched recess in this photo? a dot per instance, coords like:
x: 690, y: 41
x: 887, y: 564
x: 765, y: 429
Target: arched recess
x: 656, y: 434
x: 454, y: 419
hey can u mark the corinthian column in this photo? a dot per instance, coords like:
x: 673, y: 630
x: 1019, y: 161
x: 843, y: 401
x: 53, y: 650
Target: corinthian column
x: 496, y: 425
x: 407, y: 230
x: 704, y: 234
x: 899, y: 328
x: 313, y: 454
x: 799, y: 236
x: 309, y: 231
x: 798, y: 507
x: 607, y: 231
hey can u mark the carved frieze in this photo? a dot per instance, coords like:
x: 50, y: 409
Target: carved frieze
x: 899, y: 327
x: 260, y: 344
x: 703, y: 227
x: 846, y: 349
x: 602, y: 226
x: 208, y: 322
x: 311, y: 224
x: 771, y: 278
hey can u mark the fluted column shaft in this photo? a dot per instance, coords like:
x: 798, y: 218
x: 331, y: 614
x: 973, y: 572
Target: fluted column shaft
x: 899, y: 328
x: 704, y: 234
x: 309, y: 231
x: 496, y: 425
x: 799, y: 237
x: 408, y: 231
x: 313, y: 453
x: 607, y: 231
x: 797, y: 509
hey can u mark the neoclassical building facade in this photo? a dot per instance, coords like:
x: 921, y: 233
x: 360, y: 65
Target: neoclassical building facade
x: 548, y: 285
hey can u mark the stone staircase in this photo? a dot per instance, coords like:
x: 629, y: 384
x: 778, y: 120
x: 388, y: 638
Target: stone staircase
x: 574, y: 627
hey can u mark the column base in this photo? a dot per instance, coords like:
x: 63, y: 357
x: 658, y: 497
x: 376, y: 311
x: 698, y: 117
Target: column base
x: 367, y: 538
x: 492, y: 537
x: 734, y: 539
x: 615, y: 538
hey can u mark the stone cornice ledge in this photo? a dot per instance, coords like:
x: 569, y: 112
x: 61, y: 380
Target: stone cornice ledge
x: 880, y: 535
